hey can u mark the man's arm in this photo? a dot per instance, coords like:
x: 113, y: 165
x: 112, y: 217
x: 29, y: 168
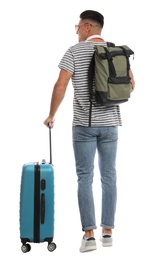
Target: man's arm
x: 132, y: 82
x: 58, y: 94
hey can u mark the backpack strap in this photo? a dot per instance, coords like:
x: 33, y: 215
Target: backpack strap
x: 111, y: 66
x: 91, y: 73
x: 110, y: 44
x: 127, y: 60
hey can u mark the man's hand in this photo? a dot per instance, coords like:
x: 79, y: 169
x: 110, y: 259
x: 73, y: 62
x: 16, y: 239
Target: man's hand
x: 49, y: 120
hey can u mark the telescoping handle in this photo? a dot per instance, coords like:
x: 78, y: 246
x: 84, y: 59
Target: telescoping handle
x: 50, y: 146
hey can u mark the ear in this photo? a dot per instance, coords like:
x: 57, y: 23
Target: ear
x: 88, y: 27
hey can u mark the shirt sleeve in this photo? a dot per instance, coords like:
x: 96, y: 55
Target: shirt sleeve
x: 67, y: 61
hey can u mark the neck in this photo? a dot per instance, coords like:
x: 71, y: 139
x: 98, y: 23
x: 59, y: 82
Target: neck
x: 95, y: 36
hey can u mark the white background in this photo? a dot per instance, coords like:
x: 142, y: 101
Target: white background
x: 34, y: 35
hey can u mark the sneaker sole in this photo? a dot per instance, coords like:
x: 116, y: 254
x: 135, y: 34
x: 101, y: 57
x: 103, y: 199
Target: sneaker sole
x: 90, y: 248
x: 106, y: 244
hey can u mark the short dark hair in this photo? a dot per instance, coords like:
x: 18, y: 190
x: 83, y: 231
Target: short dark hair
x: 94, y: 16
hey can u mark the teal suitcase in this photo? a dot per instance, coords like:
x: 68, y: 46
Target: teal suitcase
x: 37, y: 204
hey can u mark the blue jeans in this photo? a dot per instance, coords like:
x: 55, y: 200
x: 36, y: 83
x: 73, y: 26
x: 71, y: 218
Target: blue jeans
x: 86, y: 140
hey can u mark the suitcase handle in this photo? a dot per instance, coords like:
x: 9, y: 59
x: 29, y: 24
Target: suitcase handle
x: 50, y: 147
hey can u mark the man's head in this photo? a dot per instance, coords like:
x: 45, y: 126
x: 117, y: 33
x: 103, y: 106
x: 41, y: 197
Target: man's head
x: 91, y: 23
x: 93, y: 16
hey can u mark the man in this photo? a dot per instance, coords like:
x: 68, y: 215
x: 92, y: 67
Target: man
x: 101, y: 136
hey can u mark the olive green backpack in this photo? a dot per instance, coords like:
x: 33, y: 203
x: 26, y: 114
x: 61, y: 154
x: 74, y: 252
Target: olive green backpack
x: 108, y: 75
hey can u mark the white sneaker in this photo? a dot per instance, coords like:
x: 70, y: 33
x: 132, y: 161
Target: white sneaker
x: 88, y: 244
x: 106, y: 239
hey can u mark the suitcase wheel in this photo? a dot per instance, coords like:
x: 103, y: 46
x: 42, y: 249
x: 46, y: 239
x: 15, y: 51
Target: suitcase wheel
x: 51, y: 247
x: 25, y: 248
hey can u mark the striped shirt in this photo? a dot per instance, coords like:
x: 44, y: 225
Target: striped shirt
x: 76, y: 60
